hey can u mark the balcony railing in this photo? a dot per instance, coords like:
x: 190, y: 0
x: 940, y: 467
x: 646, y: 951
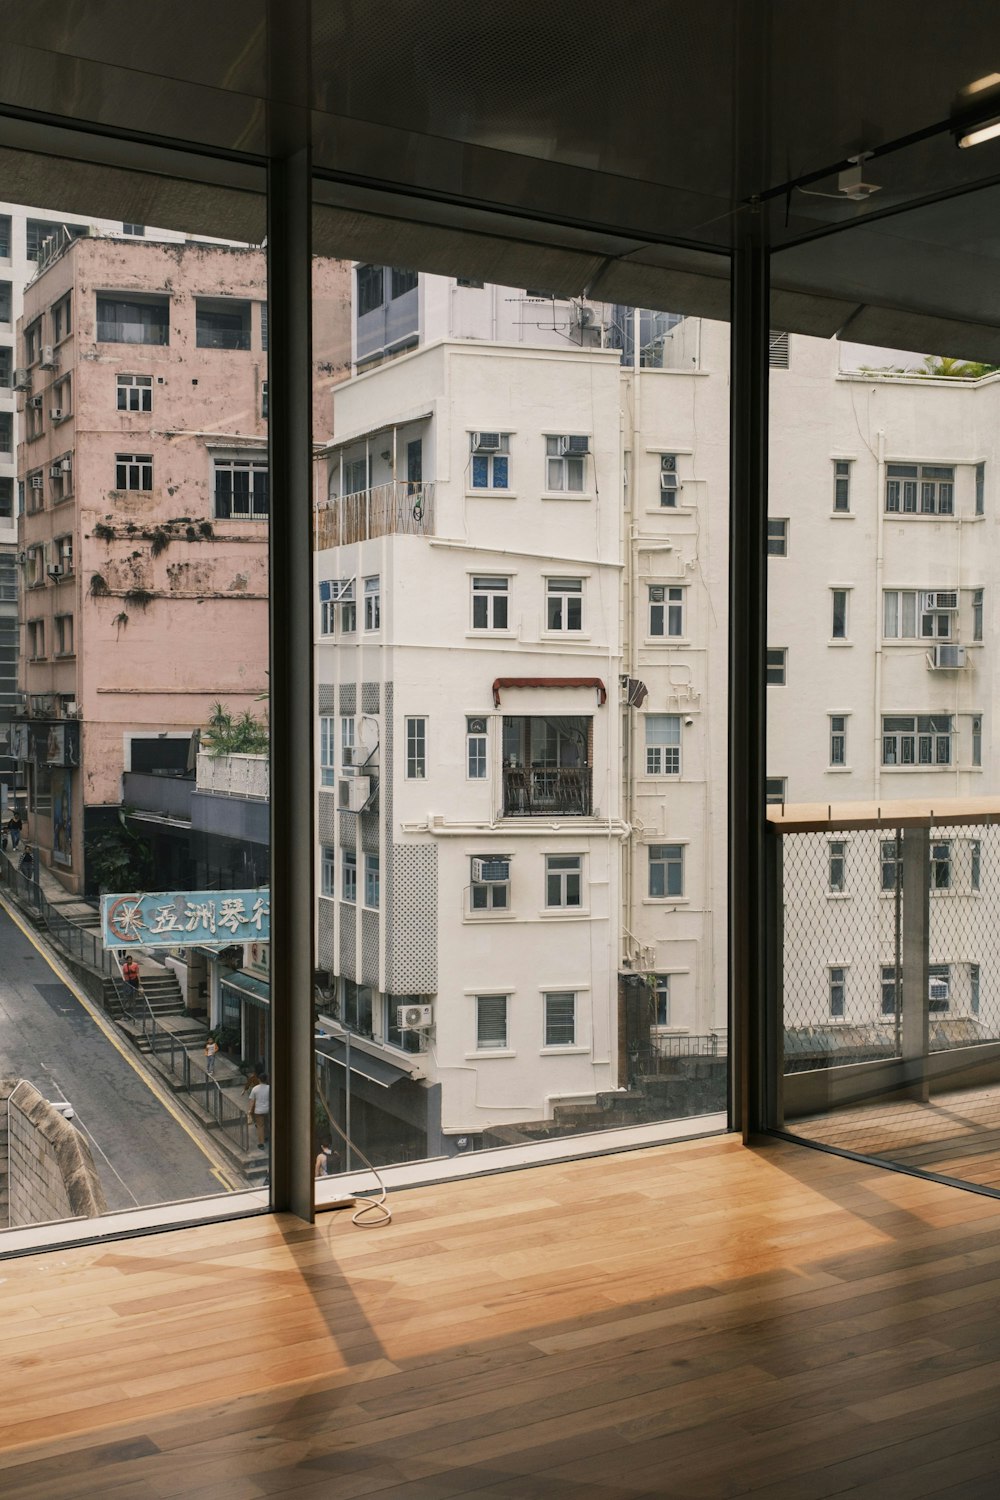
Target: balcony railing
x: 234, y: 775
x: 394, y: 509
x: 547, y: 791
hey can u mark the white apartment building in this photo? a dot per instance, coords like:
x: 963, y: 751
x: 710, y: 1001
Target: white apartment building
x: 881, y: 668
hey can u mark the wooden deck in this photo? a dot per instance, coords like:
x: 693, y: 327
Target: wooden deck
x: 690, y: 1321
x: 956, y: 1134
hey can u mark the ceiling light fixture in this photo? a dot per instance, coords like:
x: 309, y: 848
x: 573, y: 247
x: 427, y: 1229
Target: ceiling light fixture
x: 976, y: 112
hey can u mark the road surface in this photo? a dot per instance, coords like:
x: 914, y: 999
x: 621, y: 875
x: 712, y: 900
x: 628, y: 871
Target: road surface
x: 142, y: 1153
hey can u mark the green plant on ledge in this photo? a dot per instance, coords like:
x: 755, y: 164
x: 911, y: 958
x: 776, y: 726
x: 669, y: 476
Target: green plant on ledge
x: 240, y: 735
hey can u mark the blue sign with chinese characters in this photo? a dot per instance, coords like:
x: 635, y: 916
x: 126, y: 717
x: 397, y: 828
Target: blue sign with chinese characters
x: 175, y: 919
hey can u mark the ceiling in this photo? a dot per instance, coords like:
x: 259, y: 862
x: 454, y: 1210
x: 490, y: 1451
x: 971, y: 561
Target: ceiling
x: 569, y: 144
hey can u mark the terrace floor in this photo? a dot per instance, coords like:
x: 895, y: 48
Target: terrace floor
x: 955, y: 1134
x: 698, y: 1320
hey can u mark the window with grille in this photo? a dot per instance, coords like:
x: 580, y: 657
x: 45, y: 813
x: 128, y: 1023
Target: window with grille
x: 241, y: 489
x: 663, y: 745
x: 920, y: 489
x: 916, y: 739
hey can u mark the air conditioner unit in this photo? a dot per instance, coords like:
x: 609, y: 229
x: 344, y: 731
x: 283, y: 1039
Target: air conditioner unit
x: 22, y: 380
x: 578, y: 446
x: 486, y: 442
x: 948, y: 657
x: 55, y: 571
x: 66, y: 464
x: 36, y: 482
x: 56, y: 413
x: 947, y: 599
x: 55, y: 471
x: 414, y: 1017
x: 353, y: 793
x: 347, y: 755
x: 73, y: 710
x: 35, y: 402
x: 669, y: 481
x: 48, y: 359
x: 491, y: 871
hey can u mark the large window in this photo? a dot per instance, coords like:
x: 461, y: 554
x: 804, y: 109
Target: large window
x: 241, y: 489
x: 920, y: 614
x: 566, y: 463
x: 916, y: 739
x: 222, y: 323
x: 920, y: 489
x: 134, y: 320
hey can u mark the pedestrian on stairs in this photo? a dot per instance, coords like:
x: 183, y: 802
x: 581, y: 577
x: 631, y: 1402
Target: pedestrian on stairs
x: 130, y: 974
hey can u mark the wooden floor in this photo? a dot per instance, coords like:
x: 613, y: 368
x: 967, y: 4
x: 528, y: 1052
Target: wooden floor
x: 690, y: 1321
x: 955, y: 1134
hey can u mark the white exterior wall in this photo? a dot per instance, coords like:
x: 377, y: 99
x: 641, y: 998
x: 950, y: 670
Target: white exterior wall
x: 441, y: 670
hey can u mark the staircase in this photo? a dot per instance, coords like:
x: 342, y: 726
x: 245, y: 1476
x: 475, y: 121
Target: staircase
x: 161, y: 990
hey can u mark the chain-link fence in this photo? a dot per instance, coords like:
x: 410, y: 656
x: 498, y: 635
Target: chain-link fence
x: 963, y: 979
x: 873, y: 967
x: 842, y: 900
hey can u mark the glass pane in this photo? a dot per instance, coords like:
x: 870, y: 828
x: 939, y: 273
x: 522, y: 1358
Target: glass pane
x: 519, y: 452
x: 134, y: 742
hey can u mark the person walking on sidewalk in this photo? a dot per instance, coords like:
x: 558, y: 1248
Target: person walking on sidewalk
x: 260, y: 1109
x: 211, y: 1053
x: 14, y: 827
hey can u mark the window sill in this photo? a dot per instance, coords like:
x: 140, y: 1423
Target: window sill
x: 667, y: 640
x: 491, y: 635
x: 557, y: 637
x: 63, y: 655
x: 922, y: 770
x: 562, y: 495
x: 834, y: 641
x: 489, y: 1052
x: 559, y: 1051
x: 491, y: 494
x: 566, y: 913
x: 666, y: 901
x: 909, y: 515
x: 839, y: 770
x: 839, y: 896
x: 671, y: 510
x: 475, y: 917
x: 843, y: 515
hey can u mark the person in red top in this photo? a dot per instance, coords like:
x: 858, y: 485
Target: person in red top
x: 130, y: 974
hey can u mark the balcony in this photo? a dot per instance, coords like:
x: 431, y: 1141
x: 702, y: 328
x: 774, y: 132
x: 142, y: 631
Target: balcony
x: 547, y: 791
x: 394, y: 509
x: 234, y: 775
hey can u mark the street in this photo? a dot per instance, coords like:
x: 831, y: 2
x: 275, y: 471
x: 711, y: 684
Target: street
x: 142, y: 1153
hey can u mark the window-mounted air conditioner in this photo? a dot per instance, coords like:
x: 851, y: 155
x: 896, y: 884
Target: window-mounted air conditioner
x: 35, y: 403
x: 947, y: 599
x: 48, y: 359
x: 347, y: 755
x: 414, y: 1017
x: 948, y: 657
x: 22, y: 379
x: 353, y: 793
x: 56, y: 413
x: 55, y: 471
x: 55, y: 570
x: 486, y: 442
x: 36, y: 482
x: 66, y: 464
x: 578, y: 447
x: 491, y: 871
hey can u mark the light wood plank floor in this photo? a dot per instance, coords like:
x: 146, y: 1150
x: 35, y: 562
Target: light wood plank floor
x: 690, y: 1321
x: 956, y: 1134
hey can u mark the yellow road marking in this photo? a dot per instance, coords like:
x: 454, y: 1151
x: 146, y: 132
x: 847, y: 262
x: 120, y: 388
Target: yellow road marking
x: 218, y: 1167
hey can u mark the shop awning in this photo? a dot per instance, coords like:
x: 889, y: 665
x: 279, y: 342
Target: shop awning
x: 380, y: 1070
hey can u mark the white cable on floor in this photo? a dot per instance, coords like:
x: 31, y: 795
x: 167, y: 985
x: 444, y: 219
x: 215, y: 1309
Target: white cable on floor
x: 368, y: 1205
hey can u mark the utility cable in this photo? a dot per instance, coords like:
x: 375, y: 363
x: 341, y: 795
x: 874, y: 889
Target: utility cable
x: 368, y: 1205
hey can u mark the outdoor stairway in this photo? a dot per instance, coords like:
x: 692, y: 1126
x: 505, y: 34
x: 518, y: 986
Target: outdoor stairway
x: 161, y: 990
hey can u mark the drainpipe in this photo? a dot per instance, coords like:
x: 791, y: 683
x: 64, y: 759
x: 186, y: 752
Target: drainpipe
x: 879, y: 620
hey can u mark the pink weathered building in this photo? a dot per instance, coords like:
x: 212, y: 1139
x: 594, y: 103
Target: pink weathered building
x: 144, y: 533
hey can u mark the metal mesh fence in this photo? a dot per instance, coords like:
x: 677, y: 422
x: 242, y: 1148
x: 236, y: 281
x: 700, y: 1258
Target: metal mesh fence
x: 963, y: 980
x: 842, y: 904
x: 847, y: 994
